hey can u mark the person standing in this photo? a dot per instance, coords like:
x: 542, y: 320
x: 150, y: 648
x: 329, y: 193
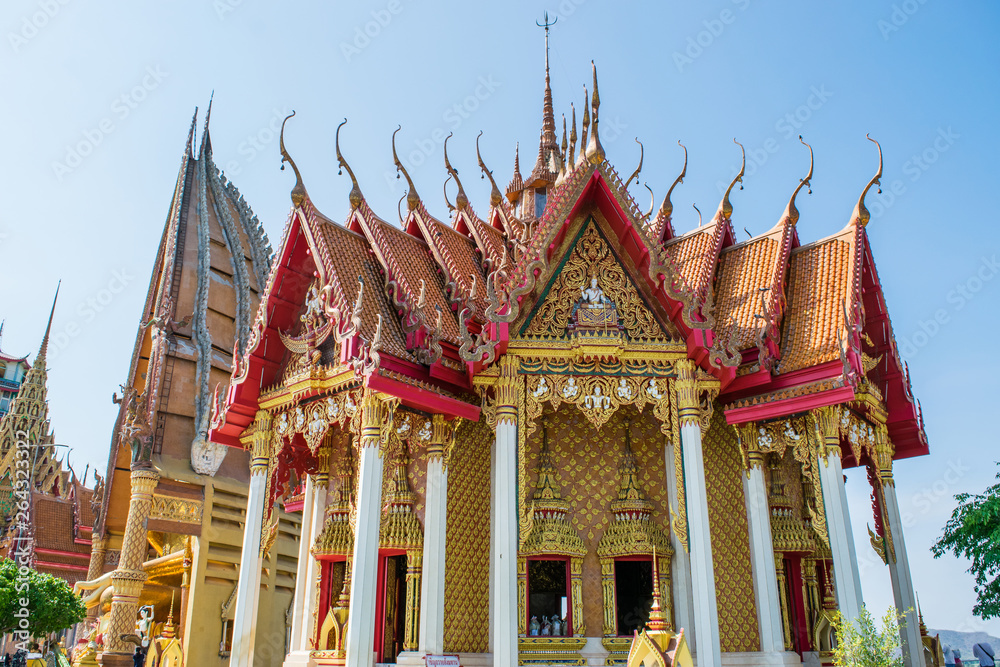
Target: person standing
x: 958, y: 658
x: 984, y: 652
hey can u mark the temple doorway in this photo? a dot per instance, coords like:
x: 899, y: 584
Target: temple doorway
x: 634, y: 594
x: 392, y: 621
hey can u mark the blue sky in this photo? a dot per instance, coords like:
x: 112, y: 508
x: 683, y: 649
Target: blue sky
x: 98, y: 97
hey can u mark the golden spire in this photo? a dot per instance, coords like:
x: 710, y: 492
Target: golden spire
x: 355, y: 197
x: 44, y: 347
x: 726, y: 208
x: 791, y: 214
x: 461, y: 200
x: 657, y: 617
x: 584, y: 125
x: 667, y: 207
x: 516, y: 184
x: 412, y: 198
x: 168, y: 627
x: 635, y: 174
x: 495, y: 196
x: 562, y: 163
x: 595, y: 152
x: 861, y: 216
x: 299, y: 191
x: 572, y: 139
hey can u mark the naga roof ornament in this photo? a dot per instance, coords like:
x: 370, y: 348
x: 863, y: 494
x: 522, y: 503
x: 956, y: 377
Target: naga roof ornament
x: 495, y: 196
x: 667, y: 207
x: 412, y: 198
x: 791, y: 214
x: 299, y: 191
x: 572, y: 139
x: 595, y: 151
x: 461, y: 199
x: 725, y: 207
x: 355, y: 197
x: 861, y: 216
x: 638, y: 169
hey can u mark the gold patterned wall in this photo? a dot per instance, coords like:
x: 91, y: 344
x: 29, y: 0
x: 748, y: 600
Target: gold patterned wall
x: 587, y: 462
x: 727, y: 516
x: 467, y: 558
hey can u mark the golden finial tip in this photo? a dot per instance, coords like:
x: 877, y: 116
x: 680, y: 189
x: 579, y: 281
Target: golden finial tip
x: 461, y: 200
x: 861, y: 216
x: 791, y: 214
x: 355, y: 196
x: 495, y: 196
x: 412, y: 198
x: 595, y: 151
x: 725, y: 206
x: 299, y: 190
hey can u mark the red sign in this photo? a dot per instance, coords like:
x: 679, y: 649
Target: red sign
x: 442, y: 661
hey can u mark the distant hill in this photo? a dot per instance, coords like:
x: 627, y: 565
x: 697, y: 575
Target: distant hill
x: 964, y: 641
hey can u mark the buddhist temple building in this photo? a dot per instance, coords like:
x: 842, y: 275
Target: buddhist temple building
x: 45, y: 509
x: 559, y: 431
x: 167, y: 542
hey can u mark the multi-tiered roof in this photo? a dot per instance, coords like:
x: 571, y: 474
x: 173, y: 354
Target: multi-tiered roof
x: 422, y: 308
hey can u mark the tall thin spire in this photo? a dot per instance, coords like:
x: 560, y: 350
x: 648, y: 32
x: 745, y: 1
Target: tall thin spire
x: 548, y: 143
x: 44, y: 347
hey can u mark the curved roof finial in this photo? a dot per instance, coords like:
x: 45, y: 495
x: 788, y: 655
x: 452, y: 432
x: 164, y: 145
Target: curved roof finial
x: 699, y: 213
x: 495, y: 196
x: 725, y: 207
x: 355, y: 197
x: 299, y: 191
x: 635, y: 174
x: 412, y: 198
x: 791, y: 214
x: 667, y: 207
x: 861, y: 215
x: 595, y: 152
x: 563, y: 166
x: 461, y: 200
x: 652, y: 202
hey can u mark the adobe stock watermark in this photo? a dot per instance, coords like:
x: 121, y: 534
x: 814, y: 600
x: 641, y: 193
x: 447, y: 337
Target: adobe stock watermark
x: 22, y: 541
x: 453, y: 118
x: 364, y: 34
x: 788, y: 126
x: 915, y: 168
x: 32, y: 24
x: 223, y: 8
x: 255, y: 143
x: 901, y: 13
x: 704, y: 39
x: 958, y: 298
x: 121, y: 108
x: 87, y: 310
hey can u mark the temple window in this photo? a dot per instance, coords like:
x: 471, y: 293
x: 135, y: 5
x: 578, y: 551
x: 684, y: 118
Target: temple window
x: 539, y: 202
x: 548, y: 597
x: 3, y: 369
x: 633, y: 594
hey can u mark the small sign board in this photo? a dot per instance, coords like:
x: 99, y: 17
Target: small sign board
x: 442, y: 661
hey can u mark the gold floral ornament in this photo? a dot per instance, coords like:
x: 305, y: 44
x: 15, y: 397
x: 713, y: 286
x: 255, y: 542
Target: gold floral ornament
x: 314, y: 420
x: 599, y: 397
x: 593, y: 291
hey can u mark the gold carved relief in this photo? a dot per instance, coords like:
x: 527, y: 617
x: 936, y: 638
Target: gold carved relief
x: 592, y: 260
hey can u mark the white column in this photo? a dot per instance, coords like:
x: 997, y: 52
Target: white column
x: 321, y: 486
x: 846, y: 579
x: 765, y: 578
x: 680, y: 565
x: 364, y: 563
x: 505, y: 545
x: 299, y: 602
x: 431, y: 633
x: 902, y: 585
x: 248, y: 584
x: 706, y: 613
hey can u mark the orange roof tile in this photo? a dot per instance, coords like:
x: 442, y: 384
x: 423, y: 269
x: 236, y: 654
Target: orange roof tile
x: 820, y: 281
x: 694, y: 255
x: 348, y: 258
x: 456, y: 254
x: 406, y: 259
x: 744, y: 270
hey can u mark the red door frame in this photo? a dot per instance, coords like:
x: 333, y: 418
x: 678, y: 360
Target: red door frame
x: 569, y: 592
x: 799, y: 629
x: 643, y: 559
x: 325, y: 595
x: 383, y: 555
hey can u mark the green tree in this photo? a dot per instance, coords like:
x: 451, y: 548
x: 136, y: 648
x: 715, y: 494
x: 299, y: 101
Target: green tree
x: 861, y: 644
x: 973, y: 532
x: 52, y: 605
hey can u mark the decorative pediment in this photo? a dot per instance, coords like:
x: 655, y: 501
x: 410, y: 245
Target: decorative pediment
x: 591, y: 293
